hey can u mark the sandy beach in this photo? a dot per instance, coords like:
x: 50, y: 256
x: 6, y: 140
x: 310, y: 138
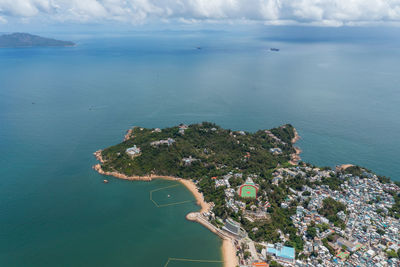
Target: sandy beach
x: 205, y: 207
x: 228, y: 248
x: 229, y: 253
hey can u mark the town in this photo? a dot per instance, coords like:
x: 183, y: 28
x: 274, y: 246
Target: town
x: 277, y: 210
x: 366, y: 235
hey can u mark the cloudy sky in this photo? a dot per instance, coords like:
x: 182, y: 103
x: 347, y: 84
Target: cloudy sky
x: 138, y: 12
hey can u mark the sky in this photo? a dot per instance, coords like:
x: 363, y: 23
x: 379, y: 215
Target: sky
x: 331, y: 13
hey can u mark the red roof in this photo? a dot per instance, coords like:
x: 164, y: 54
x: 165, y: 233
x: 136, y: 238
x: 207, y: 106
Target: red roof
x: 263, y: 264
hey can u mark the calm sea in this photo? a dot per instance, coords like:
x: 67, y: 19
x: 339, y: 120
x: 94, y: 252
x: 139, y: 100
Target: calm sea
x: 59, y: 105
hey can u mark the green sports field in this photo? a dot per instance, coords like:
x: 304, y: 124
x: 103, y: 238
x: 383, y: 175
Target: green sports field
x: 248, y: 191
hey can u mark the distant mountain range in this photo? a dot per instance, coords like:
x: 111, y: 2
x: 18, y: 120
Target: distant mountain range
x: 29, y: 40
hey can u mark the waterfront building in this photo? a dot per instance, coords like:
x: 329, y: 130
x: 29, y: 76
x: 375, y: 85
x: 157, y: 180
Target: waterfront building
x: 234, y: 228
x: 182, y: 128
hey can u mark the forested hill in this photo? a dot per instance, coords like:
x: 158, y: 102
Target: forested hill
x: 199, y: 150
x: 29, y: 40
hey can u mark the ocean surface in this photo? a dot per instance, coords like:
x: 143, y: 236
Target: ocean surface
x: 59, y: 105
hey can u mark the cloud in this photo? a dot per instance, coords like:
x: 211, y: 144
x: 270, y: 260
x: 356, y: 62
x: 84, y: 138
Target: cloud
x: 25, y: 8
x: 275, y: 12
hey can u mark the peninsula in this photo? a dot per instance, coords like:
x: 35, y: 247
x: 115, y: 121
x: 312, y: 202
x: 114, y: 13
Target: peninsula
x: 29, y: 40
x: 256, y: 194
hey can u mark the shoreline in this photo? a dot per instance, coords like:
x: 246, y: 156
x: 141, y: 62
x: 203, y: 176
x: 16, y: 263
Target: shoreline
x: 128, y: 134
x: 343, y: 167
x: 295, y: 157
x: 228, y: 248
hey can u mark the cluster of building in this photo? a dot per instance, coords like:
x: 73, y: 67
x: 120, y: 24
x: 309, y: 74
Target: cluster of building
x: 275, y: 150
x: 224, y: 181
x: 168, y: 142
x: 182, y: 128
x: 368, y: 233
x: 310, y: 173
x: 276, y: 139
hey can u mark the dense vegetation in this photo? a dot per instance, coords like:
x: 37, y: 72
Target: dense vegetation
x: 267, y: 230
x: 216, y: 149
x: 394, y: 211
x: 330, y: 208
x: 354, y: 170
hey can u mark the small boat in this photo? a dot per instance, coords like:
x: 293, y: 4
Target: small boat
x: 105, y: 181
x: 169, y: 196
x: 274, y: 49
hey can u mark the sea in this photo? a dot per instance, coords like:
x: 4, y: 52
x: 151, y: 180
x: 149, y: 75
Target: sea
x: 338, y: 87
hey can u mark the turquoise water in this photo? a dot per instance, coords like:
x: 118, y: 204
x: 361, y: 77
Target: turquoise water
x: 58, y: 106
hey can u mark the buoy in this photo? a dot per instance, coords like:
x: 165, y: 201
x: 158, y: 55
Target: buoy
x: 105, y: 181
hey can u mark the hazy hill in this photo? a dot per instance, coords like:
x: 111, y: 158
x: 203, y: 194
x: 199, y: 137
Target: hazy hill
x: 29, y: 40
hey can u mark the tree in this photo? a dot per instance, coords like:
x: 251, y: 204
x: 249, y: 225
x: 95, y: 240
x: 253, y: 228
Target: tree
x: 380, y: 231
x: 311, y: 232
x: 392, y: 254
x: 259, y: 248
x: 247, y: 254
x: 330, y: 208
x: 274, y: 264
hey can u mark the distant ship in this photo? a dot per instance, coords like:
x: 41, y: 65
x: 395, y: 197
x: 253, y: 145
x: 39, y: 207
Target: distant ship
x: 274, y: 49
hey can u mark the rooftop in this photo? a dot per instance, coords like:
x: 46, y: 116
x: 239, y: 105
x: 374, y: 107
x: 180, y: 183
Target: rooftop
x: 282, y: 251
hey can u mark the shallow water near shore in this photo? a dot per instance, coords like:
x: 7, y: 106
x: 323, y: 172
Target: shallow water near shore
x: 58, y: 106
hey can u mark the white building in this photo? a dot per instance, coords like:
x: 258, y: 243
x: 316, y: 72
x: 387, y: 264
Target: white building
x: 133, y: 151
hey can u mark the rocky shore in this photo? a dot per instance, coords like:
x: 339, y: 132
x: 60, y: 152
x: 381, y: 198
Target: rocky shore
x: 295, y: 157
x: 99, y: 169
x: 128, y: 134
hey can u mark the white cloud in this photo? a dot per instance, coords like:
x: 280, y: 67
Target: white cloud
x: 276, y: 12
